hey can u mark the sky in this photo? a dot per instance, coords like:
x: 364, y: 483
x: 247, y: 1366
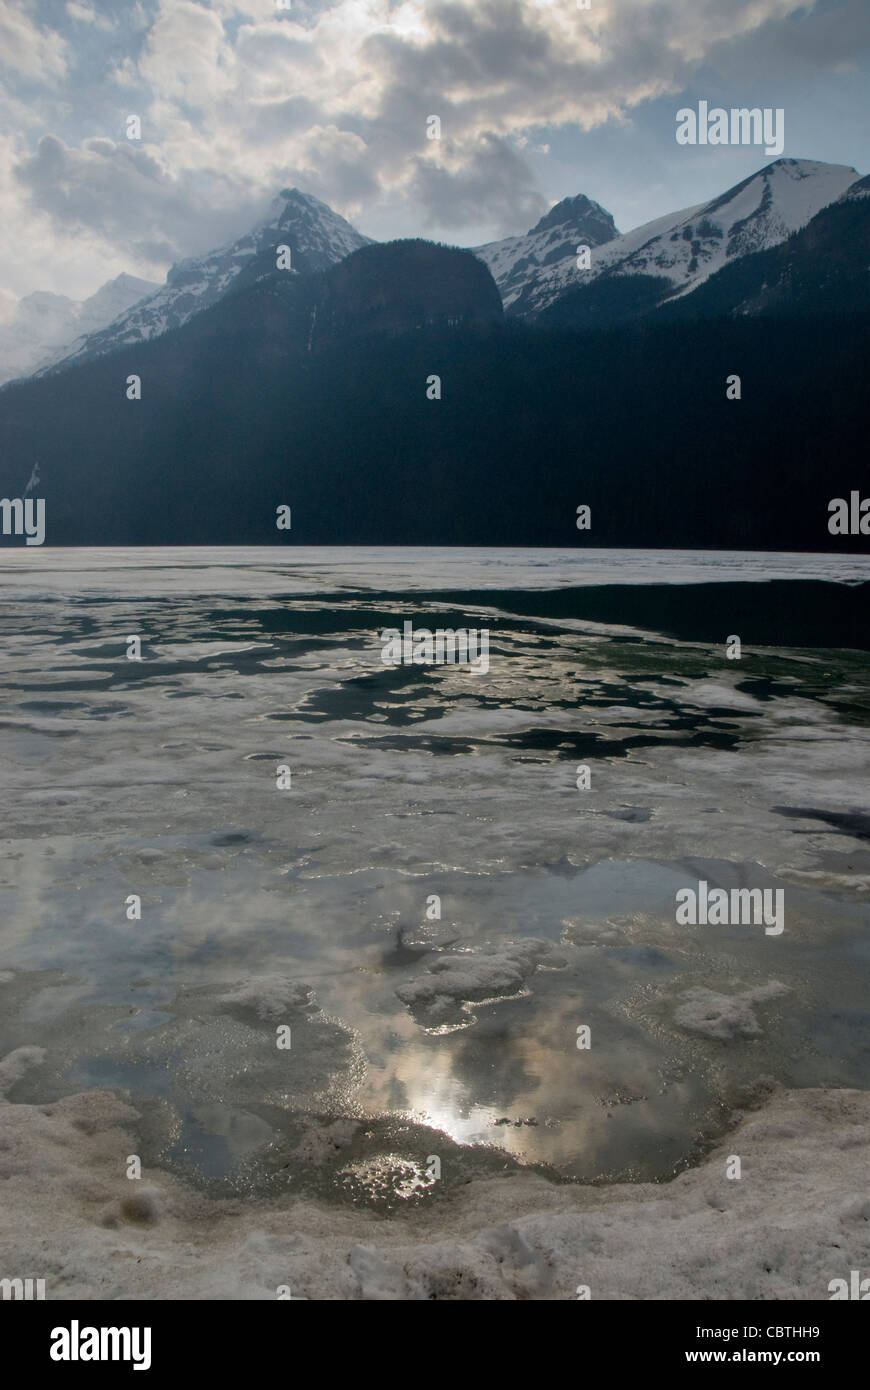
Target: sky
x: 537, y: 99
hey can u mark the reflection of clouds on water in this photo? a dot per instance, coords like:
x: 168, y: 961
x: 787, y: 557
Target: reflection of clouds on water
x: 158, y: 778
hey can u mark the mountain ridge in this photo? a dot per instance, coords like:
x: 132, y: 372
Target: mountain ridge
x: 316, y: 235
x: 632, y: 272
x: 684, y: 248
x: 44, y: 324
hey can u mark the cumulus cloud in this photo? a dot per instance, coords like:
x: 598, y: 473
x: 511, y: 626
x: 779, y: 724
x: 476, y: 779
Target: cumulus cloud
x: 129, y: 199
x: 187, y: 57
x: 238, y: 99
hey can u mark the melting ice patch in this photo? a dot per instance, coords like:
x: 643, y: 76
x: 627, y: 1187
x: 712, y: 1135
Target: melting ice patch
x: 441, y: 997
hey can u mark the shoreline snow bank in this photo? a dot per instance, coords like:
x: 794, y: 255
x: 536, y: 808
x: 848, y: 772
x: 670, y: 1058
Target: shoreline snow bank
x: 798, y: 1217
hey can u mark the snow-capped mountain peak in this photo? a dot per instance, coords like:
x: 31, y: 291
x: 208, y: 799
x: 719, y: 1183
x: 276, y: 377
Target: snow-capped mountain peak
x: 112, y: 299
x: 756, y: 214
x: 317, y: 237
x: 317, y: 228
x: 43, y: 324
x: 677, y: 252
x: 515, y: 262
x: 685, y: 248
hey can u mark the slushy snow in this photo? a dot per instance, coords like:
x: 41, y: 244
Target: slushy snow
x: 796, y: 1219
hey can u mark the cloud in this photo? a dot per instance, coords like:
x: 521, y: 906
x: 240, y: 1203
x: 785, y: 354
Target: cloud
x: 130, y: 200
x: 28, y: 50
x: 331, y: 158
x: 451, y: 192
x: 238, y: 99
x: 818, y: 39
x: 187, y: 57
x: 86, y: 14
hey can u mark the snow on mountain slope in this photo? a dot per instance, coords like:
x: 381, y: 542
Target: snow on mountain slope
x: 516, y: 260
x: 42, y: 323
x: 681, y: 250
x: 858, y: 190
x: 112, y: 299
x: 685, y: 248
x: 317, y: 237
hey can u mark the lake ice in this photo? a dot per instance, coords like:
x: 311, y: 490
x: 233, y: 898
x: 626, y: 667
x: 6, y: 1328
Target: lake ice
x: 416, y: 1036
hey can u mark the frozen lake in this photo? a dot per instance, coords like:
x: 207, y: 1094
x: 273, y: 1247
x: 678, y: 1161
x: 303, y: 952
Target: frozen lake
x: 313, y: 907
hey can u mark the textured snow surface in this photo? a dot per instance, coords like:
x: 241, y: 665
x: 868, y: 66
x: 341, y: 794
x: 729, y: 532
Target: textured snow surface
x: 454, y: 1037
x: 489, y: 973
x: 724, y: 1016
x: 798, y: 1217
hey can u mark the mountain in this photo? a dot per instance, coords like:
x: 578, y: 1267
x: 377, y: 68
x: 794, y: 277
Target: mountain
x: 401, y: 287
x: 317, y: 237
x: 520, y: 265
x: 857, y: 191
x: 630, y: 274
x: 43, y: 324
x: 675, y: 254
x: 819, y: 269
x: 244, y: 398
x: 112, y: 299
x: 312, y: 392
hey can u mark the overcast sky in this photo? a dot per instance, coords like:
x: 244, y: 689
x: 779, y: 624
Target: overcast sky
x: 239, y: 98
